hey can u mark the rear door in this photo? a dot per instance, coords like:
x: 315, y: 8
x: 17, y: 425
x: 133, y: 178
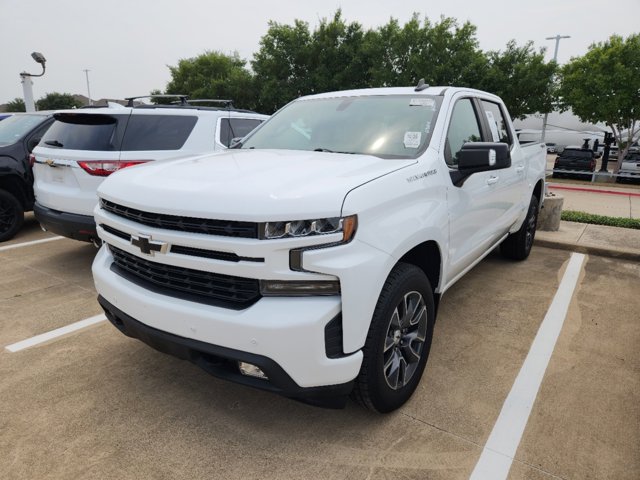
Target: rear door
x: 69, y: 159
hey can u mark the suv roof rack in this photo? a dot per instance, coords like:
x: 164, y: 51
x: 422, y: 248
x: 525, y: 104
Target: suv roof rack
x: 226, y: 103
x: 183, y: 98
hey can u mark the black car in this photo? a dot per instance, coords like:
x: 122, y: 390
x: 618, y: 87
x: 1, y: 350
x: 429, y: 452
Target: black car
x: 575, y: 162
x: 19, y: 134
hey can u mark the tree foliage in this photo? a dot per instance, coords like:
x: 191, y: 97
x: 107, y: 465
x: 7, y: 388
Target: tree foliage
x: 57, y: 101
x: 443, y: 53
x: 214, y: 75
x: 604, y: 86
x: 281, y: 65
x: 16, y: 105
x: 294, y: 60
x: 520, y: 76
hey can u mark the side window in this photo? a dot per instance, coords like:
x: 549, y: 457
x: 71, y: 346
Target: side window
x: 157, y: 132
x: 463, y: 128
x: 231, y: 128
x: 497, y: 123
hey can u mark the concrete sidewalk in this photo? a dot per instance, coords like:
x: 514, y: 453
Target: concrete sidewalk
x: 601, y: 240
x: 609, y: 200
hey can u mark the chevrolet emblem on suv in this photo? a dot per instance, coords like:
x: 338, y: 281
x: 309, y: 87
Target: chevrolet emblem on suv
x: 148, y: 247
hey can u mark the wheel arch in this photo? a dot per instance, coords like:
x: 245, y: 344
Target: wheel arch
x: 16, y: 187
x: 428, y: 258
x: 538, y: 191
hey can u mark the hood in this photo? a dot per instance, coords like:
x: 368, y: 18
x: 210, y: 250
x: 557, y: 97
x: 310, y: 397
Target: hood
x: 250, y: 185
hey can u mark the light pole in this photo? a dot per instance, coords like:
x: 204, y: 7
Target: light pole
x: 27, y: 84
x: 86, y: 72
x: 557, y: 38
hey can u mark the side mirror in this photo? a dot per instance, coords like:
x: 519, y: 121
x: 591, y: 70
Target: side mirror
x: 483, y: 156
x: 476, y: 157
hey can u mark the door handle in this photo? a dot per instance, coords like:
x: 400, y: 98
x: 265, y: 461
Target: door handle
x: 492, y: 180
x: 520, y: 168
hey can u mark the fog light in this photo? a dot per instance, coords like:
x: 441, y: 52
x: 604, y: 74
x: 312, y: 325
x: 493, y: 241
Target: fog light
x: 251, y: 370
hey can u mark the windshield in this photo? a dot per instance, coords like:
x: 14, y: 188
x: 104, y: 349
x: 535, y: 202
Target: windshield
x: 16, y: 127
x: 389, y: 126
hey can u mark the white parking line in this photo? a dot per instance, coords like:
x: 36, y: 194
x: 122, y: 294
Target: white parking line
x: 26, y: 244
x: 500, y: 449
x: 58, y: 332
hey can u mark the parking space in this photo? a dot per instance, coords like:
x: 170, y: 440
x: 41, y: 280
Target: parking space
x: 95, y: 404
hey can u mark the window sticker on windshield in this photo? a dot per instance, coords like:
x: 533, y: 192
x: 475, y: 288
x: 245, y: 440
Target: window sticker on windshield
x: 412, y: 139
x: 427, y: 128
x: 422, y: 102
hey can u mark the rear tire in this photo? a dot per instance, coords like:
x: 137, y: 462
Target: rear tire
x: 399, y: 340
x: 517, y: 245
x: 11, y: 215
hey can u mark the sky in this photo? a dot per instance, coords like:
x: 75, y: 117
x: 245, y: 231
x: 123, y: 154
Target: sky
x: 127, y: 45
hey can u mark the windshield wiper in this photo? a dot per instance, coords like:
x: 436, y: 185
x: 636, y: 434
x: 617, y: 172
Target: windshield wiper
x: 54, y: 143
x: 319, y: 149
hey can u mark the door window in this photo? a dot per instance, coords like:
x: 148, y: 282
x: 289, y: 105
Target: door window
x: 497, y: 123
x: 464, y: 127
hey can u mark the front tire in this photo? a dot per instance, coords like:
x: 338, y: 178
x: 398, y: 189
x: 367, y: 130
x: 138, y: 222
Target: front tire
x: 11, y: 215
x: 517, y: 246
x: 399, y: 340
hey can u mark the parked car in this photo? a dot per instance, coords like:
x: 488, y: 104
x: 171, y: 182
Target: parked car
x: 84, y: 146
x: 310, y: 260
x: 551, y: 147
x: 575, y: 162
x: 630, y: 168
x: 19, y: 134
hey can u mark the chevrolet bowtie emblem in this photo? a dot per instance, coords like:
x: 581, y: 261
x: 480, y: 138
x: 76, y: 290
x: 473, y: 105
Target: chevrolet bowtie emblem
x: 49, y: 162
x: 147, y: 246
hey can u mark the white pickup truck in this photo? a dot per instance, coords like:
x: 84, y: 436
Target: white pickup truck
x: 309, y: 261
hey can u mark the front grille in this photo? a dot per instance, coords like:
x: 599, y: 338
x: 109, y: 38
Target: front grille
x: 225, y: 228
x: 191, y: 251
x: 202, y: 287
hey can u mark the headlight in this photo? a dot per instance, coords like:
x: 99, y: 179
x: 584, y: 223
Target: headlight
x: 306, y: 228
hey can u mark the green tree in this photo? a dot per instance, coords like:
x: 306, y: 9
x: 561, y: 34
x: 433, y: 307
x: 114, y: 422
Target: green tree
x: 15, y: 105
x: 214, y: 75
x: 443, y: 53
x: 337, y: 60
x: 520, y: 76
x: 604, y: 86
x: 57, y: 101
x: 282, y: 64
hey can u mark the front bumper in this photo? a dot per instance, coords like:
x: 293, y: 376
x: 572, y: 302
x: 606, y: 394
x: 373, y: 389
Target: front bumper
x: 70, y: 225
x: 284, y: 336
x: 222, y: 362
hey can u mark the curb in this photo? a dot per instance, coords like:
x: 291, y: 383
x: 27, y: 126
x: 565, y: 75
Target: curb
x: 594, y: 190
x: 589, y: 249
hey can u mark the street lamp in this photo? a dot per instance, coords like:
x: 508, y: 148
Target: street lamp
x: 27, y: 84
x: 86, y: 72
x: 557, y: 38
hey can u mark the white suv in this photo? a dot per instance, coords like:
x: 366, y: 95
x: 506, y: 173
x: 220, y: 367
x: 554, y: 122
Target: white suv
x: 84, y: 146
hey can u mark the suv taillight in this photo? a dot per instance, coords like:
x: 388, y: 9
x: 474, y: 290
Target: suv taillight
x: 32, y: 159
x: 104, y: 168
